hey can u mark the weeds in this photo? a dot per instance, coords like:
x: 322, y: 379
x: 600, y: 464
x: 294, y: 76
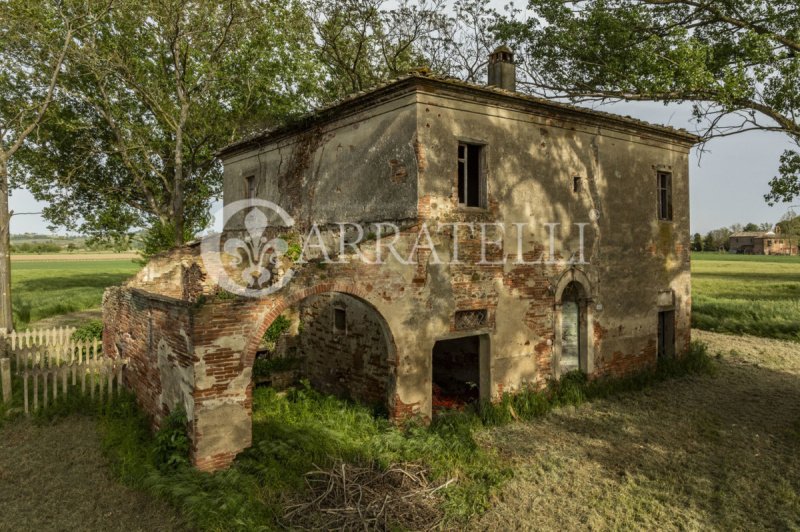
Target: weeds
x: 303, y: 430
x: 91, y: 330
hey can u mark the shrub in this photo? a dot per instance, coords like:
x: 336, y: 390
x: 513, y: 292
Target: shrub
x: 91, y: 330
x: 276, y: 328
x: 172, y: 443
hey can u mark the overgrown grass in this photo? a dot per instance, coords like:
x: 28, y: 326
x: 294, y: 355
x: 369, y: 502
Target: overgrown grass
x: 750, y: 294
x: 297, y: 431
x: 44, y: 289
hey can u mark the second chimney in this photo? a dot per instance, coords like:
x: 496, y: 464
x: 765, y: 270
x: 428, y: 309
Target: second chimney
x: 502, y: 70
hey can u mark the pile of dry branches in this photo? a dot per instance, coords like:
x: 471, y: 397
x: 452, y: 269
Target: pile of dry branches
x: 350, y: 497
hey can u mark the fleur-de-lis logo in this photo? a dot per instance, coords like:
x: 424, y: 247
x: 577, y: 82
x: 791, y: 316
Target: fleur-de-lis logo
x: 249, y: 265
x: 255, y: 253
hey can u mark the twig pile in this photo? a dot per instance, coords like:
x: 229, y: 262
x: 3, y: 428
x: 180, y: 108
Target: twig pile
x: 350, y: 497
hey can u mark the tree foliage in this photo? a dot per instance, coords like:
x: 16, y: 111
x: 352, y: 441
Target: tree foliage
x: 146, y: 99
x: 735, y: 60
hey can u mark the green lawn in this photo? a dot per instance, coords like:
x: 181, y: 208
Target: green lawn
x: 758, y: 295
x: 41, y: 289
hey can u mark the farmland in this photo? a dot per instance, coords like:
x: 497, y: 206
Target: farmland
x: 43, y: 288
x: 741, y: 294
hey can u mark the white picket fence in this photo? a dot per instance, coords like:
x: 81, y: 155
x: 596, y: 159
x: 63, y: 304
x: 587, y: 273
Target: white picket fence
x: 35, y: 338
x: 50, y: 363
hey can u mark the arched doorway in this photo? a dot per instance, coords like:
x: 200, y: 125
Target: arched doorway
x: 342, y: 345
x: 574, y: 344
x: 573, y: 327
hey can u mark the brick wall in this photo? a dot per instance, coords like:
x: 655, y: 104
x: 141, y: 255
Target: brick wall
x: 352, y: 363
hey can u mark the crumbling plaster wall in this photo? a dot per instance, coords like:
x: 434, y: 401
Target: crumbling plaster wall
x: 530, y: 161
x: 358, y: 168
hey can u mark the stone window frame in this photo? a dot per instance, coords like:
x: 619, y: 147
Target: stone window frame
x: 577, y: 184
x: 483, y: 177
x: 664, y: 194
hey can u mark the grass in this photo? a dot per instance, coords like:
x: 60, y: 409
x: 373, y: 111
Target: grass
x: 747, y: 294
x: 44, y: 289
x: 297, y: 431
x: 717, y: 448
x: 706, y: 452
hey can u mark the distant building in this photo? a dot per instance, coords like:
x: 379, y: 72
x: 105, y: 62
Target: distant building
x: 762, y: 243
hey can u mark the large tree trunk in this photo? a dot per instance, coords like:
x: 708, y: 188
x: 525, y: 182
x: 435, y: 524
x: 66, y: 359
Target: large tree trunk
x: 6, y: 317
x: 177, y: 189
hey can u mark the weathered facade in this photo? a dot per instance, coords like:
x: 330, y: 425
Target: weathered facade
x: 538, y: 301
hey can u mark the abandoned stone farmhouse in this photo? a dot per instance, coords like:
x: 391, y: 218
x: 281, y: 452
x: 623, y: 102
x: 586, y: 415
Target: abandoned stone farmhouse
x: 587, y: 266
x: 762, y: 243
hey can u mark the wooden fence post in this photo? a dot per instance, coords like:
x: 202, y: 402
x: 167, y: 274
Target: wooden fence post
x: 5, y: 377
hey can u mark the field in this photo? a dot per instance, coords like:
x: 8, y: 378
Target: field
x: 758, y: 295
x: 54, y: 286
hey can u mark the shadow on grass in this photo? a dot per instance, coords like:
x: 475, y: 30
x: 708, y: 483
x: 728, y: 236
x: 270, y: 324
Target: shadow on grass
x: 748, y: 277
x: 84, y: 280
x: 699, y: 452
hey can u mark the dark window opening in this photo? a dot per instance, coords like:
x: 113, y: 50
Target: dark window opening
x: 456, y: 373
x: 339, y: 320
x: 470, y: 181
x: 666, y: 334
x: 251, y: 187
x: 664, y: 196
x: 576, y: 184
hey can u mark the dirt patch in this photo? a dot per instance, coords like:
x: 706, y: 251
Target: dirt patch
x: 72, y: 319
x: 55, y: 478
x: 719, y: 452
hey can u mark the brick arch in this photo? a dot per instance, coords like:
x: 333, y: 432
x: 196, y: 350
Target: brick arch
x: 271, y: 308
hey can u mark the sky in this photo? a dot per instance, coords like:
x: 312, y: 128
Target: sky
x: 728, y: 181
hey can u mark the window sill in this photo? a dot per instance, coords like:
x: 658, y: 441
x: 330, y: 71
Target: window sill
x: 465, y: 208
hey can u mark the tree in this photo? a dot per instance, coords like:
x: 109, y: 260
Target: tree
x: 362, y: 42
x: 35, y: 38
x: 751, y: 227
x: 150, y: 95
x: 737, y: 61
x: 697, y: 242
x: 365, y: 42
x: 708, y: 242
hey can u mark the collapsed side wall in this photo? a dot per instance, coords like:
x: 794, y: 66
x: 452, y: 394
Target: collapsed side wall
x: 155, y: 334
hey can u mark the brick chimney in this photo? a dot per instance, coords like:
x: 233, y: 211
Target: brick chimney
x: 502, y: 70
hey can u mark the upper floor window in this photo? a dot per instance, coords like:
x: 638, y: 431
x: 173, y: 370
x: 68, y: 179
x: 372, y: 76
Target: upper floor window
x: 577, y: 184
x: 664, y: 196
x: 250, y: 187
x: 471, y: 182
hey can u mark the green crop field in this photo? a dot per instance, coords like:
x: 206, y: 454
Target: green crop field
x: 751, y: 294
x: 41, y: 289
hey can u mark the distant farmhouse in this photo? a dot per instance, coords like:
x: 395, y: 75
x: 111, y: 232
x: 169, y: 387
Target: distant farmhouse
x: 762, y: 243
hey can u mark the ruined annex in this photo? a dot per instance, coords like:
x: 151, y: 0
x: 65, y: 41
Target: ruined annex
x: 587, y: 267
